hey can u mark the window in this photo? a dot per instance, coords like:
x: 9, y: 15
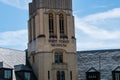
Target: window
x: 27, y: 75
x: 48, y: 75
x: 34, y: 28
x: 93, y: 75
x: 116, y: 75
x: 70, y: 75
x: 51, y: 25
x: 60, y: 75
x: 7, y: 74
x: 32, y: 58
x: 30, y: 31
x: 61, y: 24
x: 58, y: 57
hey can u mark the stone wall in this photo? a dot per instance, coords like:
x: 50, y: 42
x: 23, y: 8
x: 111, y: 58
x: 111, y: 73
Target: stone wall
x: 50, y: 4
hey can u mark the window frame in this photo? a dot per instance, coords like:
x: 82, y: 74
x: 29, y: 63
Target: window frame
x: 70, y: 75
x: 34, y: 27
x: 94, y: 76
x: 60, y: 75
x: 48, y: 75
x: 58, y: 57
x: 27, y: 75
x: 62, y: 25
x: 7, y: 74
x: 51, y: 25
x: 114, y: 75
x: 32, y: 58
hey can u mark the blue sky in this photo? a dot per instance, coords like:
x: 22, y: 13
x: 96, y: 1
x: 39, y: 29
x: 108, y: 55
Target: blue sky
x: 97, y: 24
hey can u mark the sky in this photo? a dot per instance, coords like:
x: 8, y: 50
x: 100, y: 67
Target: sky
x: 97, y: 24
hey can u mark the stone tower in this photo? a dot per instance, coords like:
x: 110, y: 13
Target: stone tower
x: 52, y: 43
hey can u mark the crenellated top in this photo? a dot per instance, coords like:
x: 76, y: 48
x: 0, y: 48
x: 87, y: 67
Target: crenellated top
x: 50, y: 4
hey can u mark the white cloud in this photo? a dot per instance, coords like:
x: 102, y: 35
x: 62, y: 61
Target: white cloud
x: 114, y: 13
x: 96, y: 32
x: 93, y: 45
x: 15, y: 39
x: 101, y: 6
x: 97, y: 37
x: 87, y: 25
x: 17, y: 3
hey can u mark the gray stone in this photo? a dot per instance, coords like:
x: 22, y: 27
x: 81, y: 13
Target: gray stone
x: 104, y: 61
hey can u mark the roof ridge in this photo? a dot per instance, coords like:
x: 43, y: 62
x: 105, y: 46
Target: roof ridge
x: 101, y: 50
x: 12, y: 49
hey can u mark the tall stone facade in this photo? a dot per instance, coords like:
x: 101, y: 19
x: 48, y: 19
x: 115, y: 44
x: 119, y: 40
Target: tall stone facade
x: 52, y: 43
x: 104, y: 62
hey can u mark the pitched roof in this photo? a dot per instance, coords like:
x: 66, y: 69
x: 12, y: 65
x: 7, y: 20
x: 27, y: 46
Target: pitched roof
x: 10, y: 57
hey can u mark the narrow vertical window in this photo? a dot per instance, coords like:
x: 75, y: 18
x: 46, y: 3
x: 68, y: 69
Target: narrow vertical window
x: 56, y: 57
x: 7, y: 74
x: 70, y: 75
x: 58, y: 75
x: 51, y: 25
x: 60, y: 57
x: 30, y: 31
x: 32, y: 59
x: 61, y: 24
x: 48, y: 75
x: 34, y: 28
x: 27, y: 75
x: 62, y: 75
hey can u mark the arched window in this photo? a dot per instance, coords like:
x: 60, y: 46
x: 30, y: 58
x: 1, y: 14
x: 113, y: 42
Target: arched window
x: 61, y: 24
x: 51, y: 25
x: 60, y: 75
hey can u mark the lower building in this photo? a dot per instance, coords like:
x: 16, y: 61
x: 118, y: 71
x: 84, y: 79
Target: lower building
x: 8, y: 59
x: 92, y: 65
x: 14, y: 65
x: 99, y: 65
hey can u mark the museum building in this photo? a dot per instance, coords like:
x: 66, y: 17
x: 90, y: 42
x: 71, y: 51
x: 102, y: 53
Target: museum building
x: 51, y: 52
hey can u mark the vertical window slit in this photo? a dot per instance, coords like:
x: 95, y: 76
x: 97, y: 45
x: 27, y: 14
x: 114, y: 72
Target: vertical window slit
x: 70, y: 75
x: 48, y: 75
